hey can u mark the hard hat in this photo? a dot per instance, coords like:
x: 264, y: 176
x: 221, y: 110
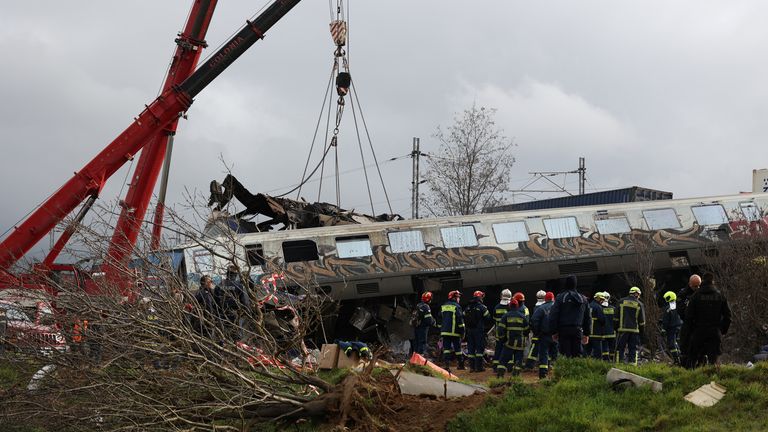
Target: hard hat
x: 479, y: 294
x: 426, y: 297
x: 606, y: 295
x: 454, y: 294
x: 598, y: 295
x: 505, y: 296
x: 634, y: 290
x: 540, y: 294
x: 520, y: 297
x: 512, y: 303
x: 669, y: 296
x: 549, y: 296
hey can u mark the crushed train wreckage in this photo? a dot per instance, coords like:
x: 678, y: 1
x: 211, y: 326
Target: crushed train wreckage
x: 291, y: 214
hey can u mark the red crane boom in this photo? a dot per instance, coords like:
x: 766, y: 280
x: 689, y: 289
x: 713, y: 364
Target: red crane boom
x: 156, y: 117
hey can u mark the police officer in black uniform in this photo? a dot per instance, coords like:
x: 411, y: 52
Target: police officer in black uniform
x: 707, y: 318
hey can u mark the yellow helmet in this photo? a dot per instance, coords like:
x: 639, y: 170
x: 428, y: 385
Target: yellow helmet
x: 669, y: 296
x: 634, y: 290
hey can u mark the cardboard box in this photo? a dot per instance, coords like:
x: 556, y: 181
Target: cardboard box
x: 347, y: 362
x: 329, y: 356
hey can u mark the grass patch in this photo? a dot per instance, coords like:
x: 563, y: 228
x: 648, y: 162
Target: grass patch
x: 579, y: 399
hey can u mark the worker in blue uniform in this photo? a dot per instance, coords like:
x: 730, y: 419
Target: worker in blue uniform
x: 671, y: 323
x: 609, y: 330
x: 476, y: 315
x: 499, y: 311
x: 542, y: 331
x: 452, y: 330
x: 631, y: 323
x: 571, y: 319
x: 424, y: 321
x: 533, y: 353
x: 515, y: 326
x: 598, y: 326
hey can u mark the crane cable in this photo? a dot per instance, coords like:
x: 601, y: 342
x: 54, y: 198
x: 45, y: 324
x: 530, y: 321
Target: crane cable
x: 344, y: 86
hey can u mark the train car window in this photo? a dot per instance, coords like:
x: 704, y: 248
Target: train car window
x: 406, y: 241
x: 460, y: 236
x: 299, y: 250
x: 661, y: 219
x: 710, y: 214
x: 750, y: 211
x: 353, y: 247
x: 562, y: 227
x: 203, y: 261
x: 618, y: 225
x: 255, y: 254
x: 510, y: 232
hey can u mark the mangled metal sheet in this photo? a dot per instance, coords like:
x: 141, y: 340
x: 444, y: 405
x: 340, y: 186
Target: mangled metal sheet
x: 415, y: 384
x: 288, y: 212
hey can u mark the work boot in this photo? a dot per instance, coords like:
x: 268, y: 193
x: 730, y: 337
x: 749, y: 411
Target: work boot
x: 499, y: 372
x: 461, y: 363
x: 480, y: 367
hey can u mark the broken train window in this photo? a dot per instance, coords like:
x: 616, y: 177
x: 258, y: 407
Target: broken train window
x: 710, y: 214
x: 299, y: 250
x: 255, y: 254
x: 406, y: 241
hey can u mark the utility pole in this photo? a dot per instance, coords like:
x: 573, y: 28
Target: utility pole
x: 415, y: 179
x: 582, y: 175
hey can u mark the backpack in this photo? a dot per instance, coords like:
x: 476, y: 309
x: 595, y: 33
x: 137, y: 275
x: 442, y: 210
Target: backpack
x: 473, y: 315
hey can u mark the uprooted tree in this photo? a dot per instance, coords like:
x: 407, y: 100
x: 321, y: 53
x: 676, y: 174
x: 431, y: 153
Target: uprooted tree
x: 155, y: 357
x: 471, y: 169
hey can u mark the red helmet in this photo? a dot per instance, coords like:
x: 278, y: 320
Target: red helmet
x: 549, y: 296
x: 478, y: 294
x: 426, y: 297
x: 512, y: 304
x: 453, y: 295
x: 520, y: 297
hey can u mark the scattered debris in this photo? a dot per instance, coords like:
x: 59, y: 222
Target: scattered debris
x: 288, y: 212
x: 618, y: 376
x: 414, y: 384
x: 37, y: 378
x: 418, y: 359
x: 706, y: 395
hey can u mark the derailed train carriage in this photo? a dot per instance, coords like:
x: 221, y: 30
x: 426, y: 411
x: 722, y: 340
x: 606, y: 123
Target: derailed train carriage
x: 375, y: 271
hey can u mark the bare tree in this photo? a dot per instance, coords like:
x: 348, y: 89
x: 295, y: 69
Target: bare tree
x: 471, y: 170
x: 741, y: 273
x: 644, y: 278
x: 160, y: 359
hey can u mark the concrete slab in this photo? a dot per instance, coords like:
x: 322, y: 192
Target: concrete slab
x: 415, y: 384
x: 618, y: 374
x: 706, y: 395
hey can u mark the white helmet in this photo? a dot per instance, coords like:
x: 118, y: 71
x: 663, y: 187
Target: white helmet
x: 606, y: 296
x: 540, y: 294
x: 506, y: 296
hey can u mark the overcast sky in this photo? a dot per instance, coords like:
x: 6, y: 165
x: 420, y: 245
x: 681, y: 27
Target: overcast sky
x: 666, y: 95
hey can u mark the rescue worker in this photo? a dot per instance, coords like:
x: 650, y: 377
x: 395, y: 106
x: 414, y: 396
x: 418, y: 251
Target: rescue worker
x: 234, y: 303
x: 475, y: 317
x: 515, y: 326
x: 452, y: 330
x: 609, y: 330
x: 598, y: 326
x: 208, y: 315
x: 520, y: 297
x: 499, y: 311
x: 683, y: 297
x: 424, y: 321
x: 571, y: 319
x: 542, y: 331
x: 707, y: 318
x: 351, y: 347
x: 670, y: 325
x: 533, y: 354
x: 631, y: 323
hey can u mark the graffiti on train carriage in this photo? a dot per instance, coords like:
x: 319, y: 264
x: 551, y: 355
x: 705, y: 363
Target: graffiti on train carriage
x: 594, y: 243
x: 383, y: 261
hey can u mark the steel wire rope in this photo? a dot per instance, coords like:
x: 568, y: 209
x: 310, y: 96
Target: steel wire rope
x: 370, y: 144
x: 310, y: 174
x: 362, y: 156
x: 317, y: 127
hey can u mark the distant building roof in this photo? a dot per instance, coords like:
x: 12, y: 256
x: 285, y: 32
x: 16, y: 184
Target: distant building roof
x: 630, y: 194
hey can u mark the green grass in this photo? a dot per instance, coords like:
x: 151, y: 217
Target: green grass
x: 579, y: 399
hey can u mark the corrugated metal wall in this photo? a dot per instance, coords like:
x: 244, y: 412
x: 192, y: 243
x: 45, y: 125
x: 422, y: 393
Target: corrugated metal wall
x: 630, y: 194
